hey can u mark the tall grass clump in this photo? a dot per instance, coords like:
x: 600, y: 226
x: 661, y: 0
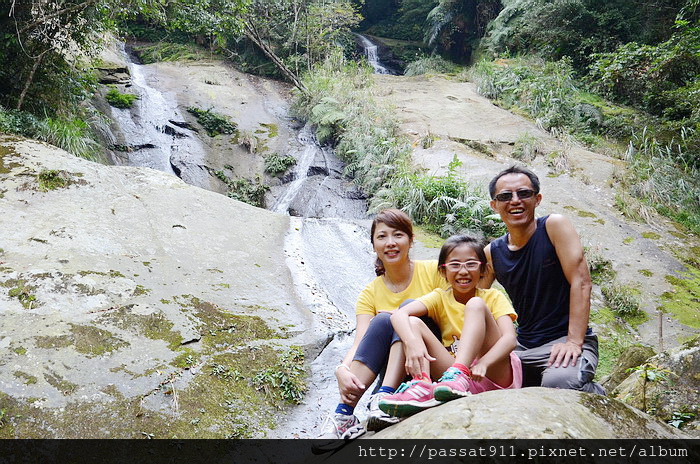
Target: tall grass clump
x: 430, y: 64
x: 340, y: 103
x: 545, y: 90
x: 664, y: 176
x: 623, y: 301
x: 445, y: 205
x: 72, y: 135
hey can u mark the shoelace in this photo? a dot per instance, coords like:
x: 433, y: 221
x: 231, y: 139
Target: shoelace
x: 449, y: 375
x: 405, y: 386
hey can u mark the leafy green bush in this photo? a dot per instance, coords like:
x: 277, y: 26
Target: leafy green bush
x: 18, y: 122
x: 120, y: 100
x: 445, y: 205
x: 168, y: 51
x: 72, y: 135
x: 245, y: 190
x: 341, y: 104
x: 432, y: 64
x: 212, y: 122
x: 622, y: 300
x: 276, y: 164
x: 286, y: 379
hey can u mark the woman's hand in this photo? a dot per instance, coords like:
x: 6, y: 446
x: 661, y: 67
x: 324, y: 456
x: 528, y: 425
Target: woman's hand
x: 417, y: 359
x: 479, y: 371
x: 349, y: 386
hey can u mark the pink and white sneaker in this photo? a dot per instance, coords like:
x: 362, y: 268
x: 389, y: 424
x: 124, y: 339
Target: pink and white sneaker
x: 410, y: 398
x: 452, y: 385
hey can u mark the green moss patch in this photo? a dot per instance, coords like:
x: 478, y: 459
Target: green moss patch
x: 646, y: 272
x: 93, y: 341
x: 580, y: 213
x: 272, y: 129
x: 120, y: 100
x: 628, y: 240
x: 23, y: 291
x: 28, y: 379
x: 154, y: 326
x: 614, y: 340
x: 683, y: 301
x: 60, y: 384
x: 428, y: 238
x: 651, y: 235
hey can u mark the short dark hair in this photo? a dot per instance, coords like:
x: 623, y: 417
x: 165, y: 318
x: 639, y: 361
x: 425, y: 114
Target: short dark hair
x: 457, y: 240
x: 534, y: 180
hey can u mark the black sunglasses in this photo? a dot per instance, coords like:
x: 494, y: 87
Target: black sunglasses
x: 522, y: 194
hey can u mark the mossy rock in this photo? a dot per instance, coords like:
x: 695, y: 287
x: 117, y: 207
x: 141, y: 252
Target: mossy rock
x: 632, y: 357
x: 667, y: 386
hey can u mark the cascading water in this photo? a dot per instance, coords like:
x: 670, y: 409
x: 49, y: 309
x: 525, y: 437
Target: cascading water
x: 153, y: 134
x: 370, y: 50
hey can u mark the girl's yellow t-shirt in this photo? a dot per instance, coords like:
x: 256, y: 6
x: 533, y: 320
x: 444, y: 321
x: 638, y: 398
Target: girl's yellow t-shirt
x: 448, y: 313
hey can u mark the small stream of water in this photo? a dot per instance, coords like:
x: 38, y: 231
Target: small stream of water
x: 153, y: 134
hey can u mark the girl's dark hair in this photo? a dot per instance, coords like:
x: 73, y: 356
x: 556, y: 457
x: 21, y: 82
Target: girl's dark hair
x: 453, y: 242
x: 396, y: 219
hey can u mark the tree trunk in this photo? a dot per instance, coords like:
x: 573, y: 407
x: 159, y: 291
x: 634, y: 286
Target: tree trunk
x: 30, y: 79
x: 255, y: 38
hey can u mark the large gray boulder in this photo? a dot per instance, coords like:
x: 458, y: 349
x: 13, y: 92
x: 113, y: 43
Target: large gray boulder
x: 531, y: 413
x: 133, y: 304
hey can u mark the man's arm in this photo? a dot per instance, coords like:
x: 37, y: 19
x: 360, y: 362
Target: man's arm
x: 570, y: 253
x: 489, y: 276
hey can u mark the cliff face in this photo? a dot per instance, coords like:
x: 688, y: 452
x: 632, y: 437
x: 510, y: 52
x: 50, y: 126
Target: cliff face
x: 131, y: 302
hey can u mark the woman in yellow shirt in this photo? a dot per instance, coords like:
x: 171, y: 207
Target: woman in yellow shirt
x: 399, y: 278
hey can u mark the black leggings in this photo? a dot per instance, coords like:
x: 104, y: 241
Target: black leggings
x: 373, y: 350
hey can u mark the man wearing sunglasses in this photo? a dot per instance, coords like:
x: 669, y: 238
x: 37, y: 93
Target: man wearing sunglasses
x: 540, y: 263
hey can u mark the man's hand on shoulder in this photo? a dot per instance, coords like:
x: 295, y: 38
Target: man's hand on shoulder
x: 564, y: 353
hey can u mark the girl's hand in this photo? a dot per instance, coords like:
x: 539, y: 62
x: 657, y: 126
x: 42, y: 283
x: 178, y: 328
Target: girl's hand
x: 349, y: 386
x: 479, y: 371
x: 417, y: 360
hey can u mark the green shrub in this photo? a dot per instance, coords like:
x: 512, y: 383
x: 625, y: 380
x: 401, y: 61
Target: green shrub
x: 445, y: 205
x: 276, y: 164
x: 286, y: 379
x: 212, y: 122
x: 72, y: 135
x: 622, y: 300
x: 120, y: 100
x: 341, y: 104
x: 245, y: 190
x: 18, y: 122
x: 433, y: 64
x: 167, y: 51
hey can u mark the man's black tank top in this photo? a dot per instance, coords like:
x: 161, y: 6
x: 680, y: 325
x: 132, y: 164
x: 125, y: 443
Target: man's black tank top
x: 536, y: 285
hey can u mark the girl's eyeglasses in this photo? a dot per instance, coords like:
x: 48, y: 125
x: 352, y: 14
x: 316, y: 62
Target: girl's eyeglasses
x: 522, y: 194
x: 455, y: 266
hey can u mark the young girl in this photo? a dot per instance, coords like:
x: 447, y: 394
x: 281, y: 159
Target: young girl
x: 481, y: 320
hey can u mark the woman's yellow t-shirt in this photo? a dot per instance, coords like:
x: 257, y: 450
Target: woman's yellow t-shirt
x: 377, y: 297
x: 448, y: 313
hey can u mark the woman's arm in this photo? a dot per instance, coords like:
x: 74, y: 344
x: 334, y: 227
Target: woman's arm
x: 500, y: 350
x: 349, y: 386
x: 417, y: 356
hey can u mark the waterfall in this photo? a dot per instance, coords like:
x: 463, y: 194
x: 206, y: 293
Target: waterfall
x: 370, y: 50
x: 151, y: 135
x: 309, y: 150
